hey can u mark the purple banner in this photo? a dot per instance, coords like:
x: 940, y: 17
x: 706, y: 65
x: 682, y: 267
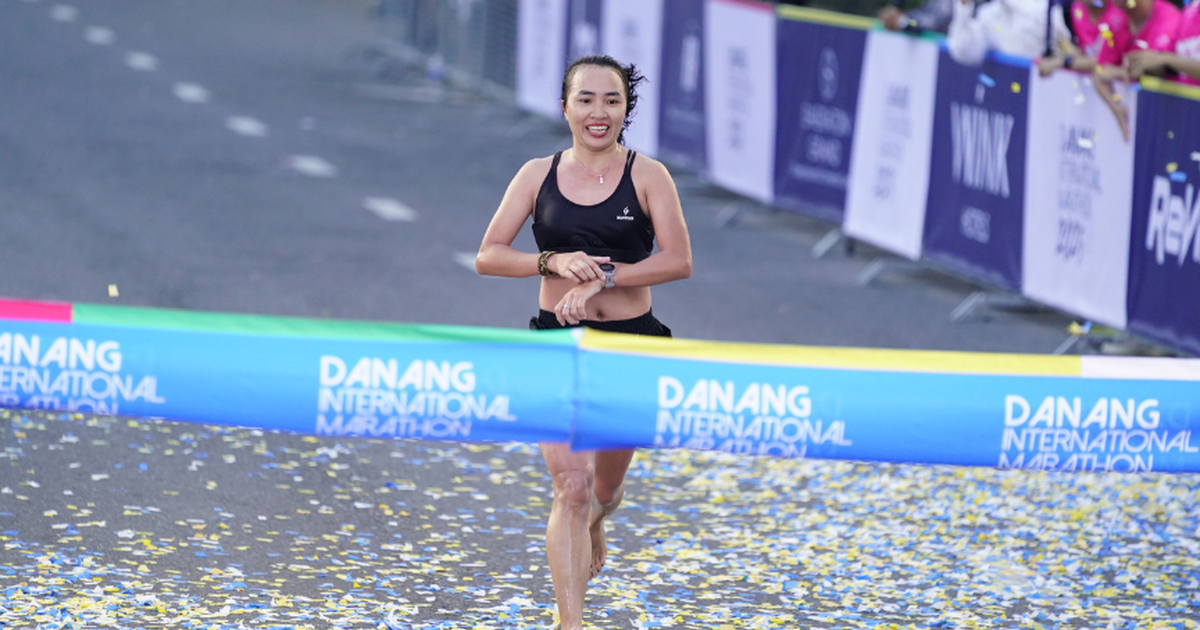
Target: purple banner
x: 819, y: 69
x: 583, y: 29
x: 682, y: 134
x: 1164, y: 248
x: 973, y: 220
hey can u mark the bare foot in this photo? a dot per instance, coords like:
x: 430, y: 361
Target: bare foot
x: 599, y: 544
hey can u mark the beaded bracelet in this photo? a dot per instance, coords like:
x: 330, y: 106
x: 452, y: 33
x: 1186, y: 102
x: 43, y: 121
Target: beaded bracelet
x: 542, y: 270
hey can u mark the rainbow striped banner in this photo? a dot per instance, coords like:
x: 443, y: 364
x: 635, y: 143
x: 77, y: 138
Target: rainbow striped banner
x: 602, y: 390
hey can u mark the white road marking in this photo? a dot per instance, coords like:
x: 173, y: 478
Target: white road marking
x: 63, y: 13
x: 191, y: 93
x: 466, y: 259
x: 99, y: 35
x: 389, y: 209
x: 141, y: 61
x: 312, y: 166
x: 246, y: 126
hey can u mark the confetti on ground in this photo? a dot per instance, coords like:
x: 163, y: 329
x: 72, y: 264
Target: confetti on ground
x: 120, y: 523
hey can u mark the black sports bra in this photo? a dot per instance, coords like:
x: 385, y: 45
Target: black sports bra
x: 615, y: 227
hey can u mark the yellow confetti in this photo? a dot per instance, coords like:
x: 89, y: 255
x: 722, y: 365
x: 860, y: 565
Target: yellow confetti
x: 1016, y: 87
x: 112, y: 291
x: 1172, y: 167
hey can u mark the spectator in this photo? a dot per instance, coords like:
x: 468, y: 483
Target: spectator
x: 932, y: 16
x: 1182, y: 62
x: 1101, y: 37
x: 1153, y: 24
x: 1012, y: 27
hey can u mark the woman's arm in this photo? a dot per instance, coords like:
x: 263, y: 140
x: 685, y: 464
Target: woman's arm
x: 660, y: 200
x: 1160, y: 64
x: 496, y: 255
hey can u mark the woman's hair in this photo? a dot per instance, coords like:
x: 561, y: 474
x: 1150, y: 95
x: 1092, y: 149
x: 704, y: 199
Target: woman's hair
x: 629, y: 76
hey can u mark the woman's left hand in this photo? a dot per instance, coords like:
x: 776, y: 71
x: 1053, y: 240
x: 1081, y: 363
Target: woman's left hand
x: 572, y: 308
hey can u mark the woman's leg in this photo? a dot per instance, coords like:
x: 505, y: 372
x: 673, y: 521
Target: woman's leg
x: 609, y: 489
x: 568, y: 543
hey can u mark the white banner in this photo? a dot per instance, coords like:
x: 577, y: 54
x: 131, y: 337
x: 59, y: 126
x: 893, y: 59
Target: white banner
x: 632, y: 33
x: 541, y: 58
x: 739, y: 58
x: 889, y: 167
x: 1078, y: 192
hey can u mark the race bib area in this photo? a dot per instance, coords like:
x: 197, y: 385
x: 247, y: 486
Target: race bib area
x: 603, y: 390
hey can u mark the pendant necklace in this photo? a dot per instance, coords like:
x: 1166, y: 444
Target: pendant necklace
x: 591, y: 174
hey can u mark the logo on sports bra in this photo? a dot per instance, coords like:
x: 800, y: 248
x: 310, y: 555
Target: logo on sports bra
x: 624, y: 216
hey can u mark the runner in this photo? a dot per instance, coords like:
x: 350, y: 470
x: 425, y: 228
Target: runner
x: 598, y: 208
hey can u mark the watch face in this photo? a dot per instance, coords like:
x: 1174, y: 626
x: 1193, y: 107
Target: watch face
x: 607, y: 267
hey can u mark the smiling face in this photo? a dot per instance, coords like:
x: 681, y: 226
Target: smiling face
x: 595, y: 106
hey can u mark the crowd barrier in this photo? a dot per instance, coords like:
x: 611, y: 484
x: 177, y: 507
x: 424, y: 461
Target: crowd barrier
x: 603, y: 390
x: 1021, y: 183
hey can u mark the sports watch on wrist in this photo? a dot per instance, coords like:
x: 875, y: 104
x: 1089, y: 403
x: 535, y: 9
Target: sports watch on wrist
x: 610, y: 272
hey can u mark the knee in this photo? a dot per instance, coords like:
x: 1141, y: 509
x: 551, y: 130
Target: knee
x: 573, y: 489
x: 609, y: 497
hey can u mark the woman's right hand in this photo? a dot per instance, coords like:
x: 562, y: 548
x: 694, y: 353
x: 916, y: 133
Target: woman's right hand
x: 577, y: 266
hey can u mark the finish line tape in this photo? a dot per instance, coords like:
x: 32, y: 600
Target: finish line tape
x: 603, y: 390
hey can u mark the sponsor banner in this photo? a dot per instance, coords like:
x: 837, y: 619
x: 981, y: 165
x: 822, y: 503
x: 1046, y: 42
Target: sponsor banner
x: 739, y: 58
x: 632, y: 32
x: 889, y: 166
x: 583, y: 29
x: 1164, y: 245
x: 682, y: 135
x: 455, y: 383
x: 1078, y: 191
x: 541, y: 42
x: 809, y: 410
x: 438, y: 384
x: 817, y: 83
x: 977, y: 170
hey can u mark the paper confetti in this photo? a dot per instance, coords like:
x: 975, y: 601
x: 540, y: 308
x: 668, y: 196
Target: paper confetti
x: 335, y: 532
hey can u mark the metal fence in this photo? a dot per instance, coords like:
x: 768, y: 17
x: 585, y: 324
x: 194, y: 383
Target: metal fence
x: 467, y: 43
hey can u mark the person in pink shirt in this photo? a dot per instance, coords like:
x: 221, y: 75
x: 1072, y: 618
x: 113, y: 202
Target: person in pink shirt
x: 1153, y: 24
x: 1183, y: 61
x: 1102, y: 32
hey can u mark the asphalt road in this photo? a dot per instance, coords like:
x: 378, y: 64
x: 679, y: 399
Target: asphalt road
x: 222, y: 156
x: 246, y: 157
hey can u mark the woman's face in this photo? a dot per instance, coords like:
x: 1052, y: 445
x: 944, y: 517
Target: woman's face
x: 595, y: 106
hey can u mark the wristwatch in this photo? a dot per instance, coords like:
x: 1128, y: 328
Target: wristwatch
x: 610, y: 272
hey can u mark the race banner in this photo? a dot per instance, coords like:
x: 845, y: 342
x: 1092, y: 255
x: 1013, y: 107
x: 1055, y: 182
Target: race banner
x: 1164, y: 246
x: 602, y: 390
x: 889, y: 165
x: 583, y: 28
x: 1008, y: 411
x: 739, y: 57
x: 977, y: 170
x: 304, y: 376
x: 1078, y: 192
x: 541, y: 42
x: 682, y: 131
x: 817, y: 86
x: 632, y: 31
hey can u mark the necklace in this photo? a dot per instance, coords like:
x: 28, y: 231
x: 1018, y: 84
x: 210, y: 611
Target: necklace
x: 591, y: 174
